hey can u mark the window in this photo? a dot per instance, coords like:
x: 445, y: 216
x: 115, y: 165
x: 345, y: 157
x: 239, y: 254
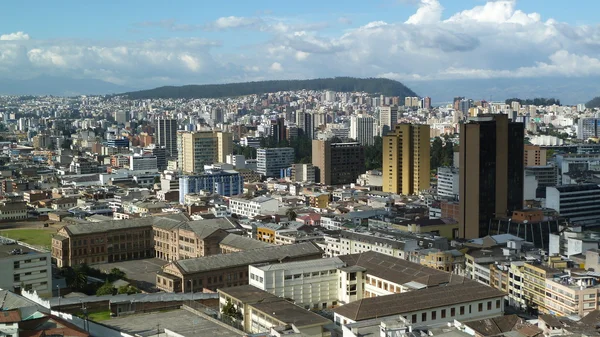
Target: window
x: 443, y: 313
x: 414, y: 318
x: 480, y: 307
x: 452, y: 312
x: 424, y: 317
x: 462, y: 310
x: 497, y: 304
x: 433, y: 315
x: 489, y: 305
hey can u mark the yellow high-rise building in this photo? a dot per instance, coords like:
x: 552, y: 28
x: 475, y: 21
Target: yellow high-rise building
x: 196, y: 149
x: 406, y: 167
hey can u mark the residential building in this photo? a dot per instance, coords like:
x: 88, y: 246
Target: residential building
x: 577, y: 203
x: 196, y: 149
x: 362, y: 129
x: 328, y: 158
x: 545, y: 176
x: 270, y: 161
x: 222, y: 182
x: 534, y: 156
x: 303, y: 173
x: 25, y: 269
x: 448, y: 183
x: 451, y: 261
x: 491, y: 172
x: 227, y: 270
x: 166, y: 135
x: 252, y: 207
x: 406, y: 159
x: 573, y: 241
x: 311, y: 284
x: 388, y: 118
x: 588, y: 127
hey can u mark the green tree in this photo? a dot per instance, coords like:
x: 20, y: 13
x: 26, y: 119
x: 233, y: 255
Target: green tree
x: 128, y: 289
x: 106, y: 289
x: 374, y: 154
x: 291, y: 214
x: 230, y: 310
x: 117, y: 274
x: 76, y: 278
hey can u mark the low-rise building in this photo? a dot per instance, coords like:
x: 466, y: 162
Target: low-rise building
x: 13, y: 211
x: 24, y: 269
x: 253, y: 207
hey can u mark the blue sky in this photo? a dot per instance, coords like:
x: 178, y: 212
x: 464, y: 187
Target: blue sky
x: 149, y: 42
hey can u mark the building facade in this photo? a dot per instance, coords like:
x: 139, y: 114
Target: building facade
x: 328, y: 158
x: 406, y: 159
x: 362, y: 129
x: 196, y: 149
x: 270, y: 161
x: 223, y: 182
x: 166, y: 135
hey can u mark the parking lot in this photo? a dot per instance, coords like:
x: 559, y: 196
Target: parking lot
x: 143, y: 272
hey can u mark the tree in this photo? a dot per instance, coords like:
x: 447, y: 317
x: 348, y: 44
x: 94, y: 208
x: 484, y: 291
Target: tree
x: 128, y: 289
x: 291, y: 214
x: 374, y: 154
x: 117, y: 274
x: 230, y: 310
x: 76, y: 278
x: 106, y: 289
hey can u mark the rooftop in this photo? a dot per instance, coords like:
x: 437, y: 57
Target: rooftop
x: 248, y: 294
x: 417, y: 300
x: 268, y: 254
x: 329, y: 263
x: 7, y: 250
x: 289, y: 313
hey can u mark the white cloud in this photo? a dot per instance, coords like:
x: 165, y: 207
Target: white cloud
x: 276, y: 66
x: 14, y: 36
x: 492, y: 40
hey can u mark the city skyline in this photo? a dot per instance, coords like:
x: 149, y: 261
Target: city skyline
x: 151, y: 44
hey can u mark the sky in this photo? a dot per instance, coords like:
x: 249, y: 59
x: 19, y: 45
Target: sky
x: 143, y: 44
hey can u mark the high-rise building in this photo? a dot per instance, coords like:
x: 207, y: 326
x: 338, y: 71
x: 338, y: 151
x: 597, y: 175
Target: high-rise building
x: 534, y: 156
x: 304, y: 121
x: 278, y: 130
x: 270, y: 161
x: 196, y: 149
x: 588, y: 128
x: 491, y: 172
x: 303, y: 173
x: 121, y: 116
x: 362, y: 129
x: 406, y: 159
x: 337, y: 163
x: 426, y: 103
x: 388, y: 118
x: 166, y: 135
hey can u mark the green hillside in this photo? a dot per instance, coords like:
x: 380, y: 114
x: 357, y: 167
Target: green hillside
x: 382, y: 86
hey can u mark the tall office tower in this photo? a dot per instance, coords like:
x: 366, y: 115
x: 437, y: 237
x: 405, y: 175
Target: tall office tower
x: 588, y: 128
x: 456, y: 103
x: 196, y: 149
x: 121, y: 117
x: 161, y: 155
x: 406, y: 159
x: 388, y: 117
x: 330, y: 96
x: 304, y: 121
x: 361, y: 129
x: 166, y: 135
x: 337, y: 163
x: 491, y: 172
x: 278, y: 130
x: 270, y: 161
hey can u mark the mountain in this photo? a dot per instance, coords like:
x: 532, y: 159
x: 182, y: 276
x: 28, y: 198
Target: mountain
x: 58, y: 86
x: 569, y: 90
x: 382, y: 86
x: 593, y: 103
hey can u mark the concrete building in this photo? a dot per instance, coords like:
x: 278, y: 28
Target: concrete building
x: 448, y: 183
x: 534, y: 156
x: 311, y: 284
x: 222, y: 182
x: 577, y: 203
x: 146, y: 163
x: 388, y: 118
x: 270, y: 161
x: 13, y: 211
x: 328, y: 158
x: 303, y: 173
x: 406, y: 159
x: 25, y: 269
x: 491, y: 172
x: 588, y: 127
x: 166, y: 135
x: 196, y: 149
x: 228, y: 270
x: 362, y: 129
x: 252, y: 207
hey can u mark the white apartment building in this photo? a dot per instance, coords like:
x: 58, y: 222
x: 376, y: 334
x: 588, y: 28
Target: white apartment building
x: 447, y: 186
x: 270, y: 161
x: 25, y: 269
x: 253, y: 207
x: 362, y: 129
x: 311, y: 284
x: 13, y: 211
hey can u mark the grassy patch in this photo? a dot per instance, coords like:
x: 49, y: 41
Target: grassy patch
x: 36, y: 237
x: 99, y: 316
